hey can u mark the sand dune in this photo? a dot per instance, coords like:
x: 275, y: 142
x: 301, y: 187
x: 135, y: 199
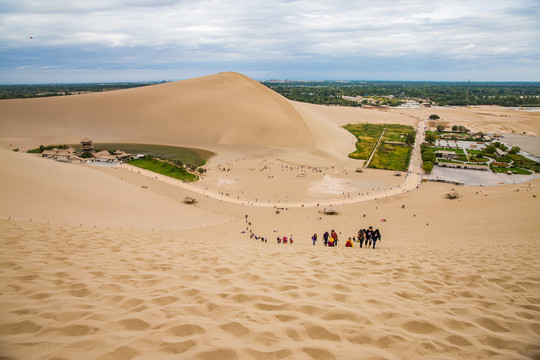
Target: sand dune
x: 226, y: 108
x: 113, y: 265
x: 35, y: 189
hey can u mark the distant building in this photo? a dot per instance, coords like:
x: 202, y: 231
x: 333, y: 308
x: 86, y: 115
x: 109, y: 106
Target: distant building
x: 449, y: 155
x: 87, y: 146
x: 104, y: 156
x: 64, y: 155
x: 500, y: 153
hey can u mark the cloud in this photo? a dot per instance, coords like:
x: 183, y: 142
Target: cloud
x: 131, y: 33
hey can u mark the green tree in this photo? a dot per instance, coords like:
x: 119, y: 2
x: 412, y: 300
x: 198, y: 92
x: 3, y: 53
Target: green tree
x: 429, y: 156
x: 490, y: 149
x: 440, y: 128
x: 455, y: 128
x: 434, y: 117
x: 515, y: 150
x: 428, y: 167
x: 410, y: 137
x: 431, y: 138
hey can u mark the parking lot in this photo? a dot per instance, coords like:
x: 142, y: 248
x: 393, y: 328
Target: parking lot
x: 477, y: 177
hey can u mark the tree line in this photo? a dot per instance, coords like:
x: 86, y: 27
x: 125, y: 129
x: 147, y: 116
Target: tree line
x: 441, y: 93
x: 47, y: 90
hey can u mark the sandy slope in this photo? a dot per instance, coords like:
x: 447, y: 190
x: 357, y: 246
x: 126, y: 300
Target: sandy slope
x: 35, y: 189
x: 450, y: 279
x: 226, y: 108
x: 428, y: 292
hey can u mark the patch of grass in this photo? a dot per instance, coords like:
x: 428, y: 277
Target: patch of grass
x: 164, y: 168
x: 523, y: 162
x: 391, y: 157
x: 474, y: 159
x: 367, y: 136
x: 518, y: 171
x: 387, y: 156
x: 364, y: 147
x: 475, y: 152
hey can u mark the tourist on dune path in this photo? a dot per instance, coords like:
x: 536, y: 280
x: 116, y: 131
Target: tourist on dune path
x: 361, y: 236
x: 325, y: 237
x: 331, y: 242
x: 369, y: 236
x: 314, y: 239
x: 376, y: 236
x: 334, y: 236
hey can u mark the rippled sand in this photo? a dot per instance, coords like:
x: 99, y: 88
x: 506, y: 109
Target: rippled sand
x: 133, y: 295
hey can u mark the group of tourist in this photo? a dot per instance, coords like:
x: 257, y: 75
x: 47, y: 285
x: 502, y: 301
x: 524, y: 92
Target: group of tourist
x: 367, y: 237
x: 284, y: 240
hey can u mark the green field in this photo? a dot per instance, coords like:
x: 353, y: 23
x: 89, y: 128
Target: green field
x: 367, y: 136
x: 193, y: 156
x: 525, y: 163
x: 387, y: 156
x: 513, y: 169
x: 390, y: 157
x: 164, y: 168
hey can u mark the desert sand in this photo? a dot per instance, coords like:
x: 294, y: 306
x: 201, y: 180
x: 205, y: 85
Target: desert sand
x: 108, y: 263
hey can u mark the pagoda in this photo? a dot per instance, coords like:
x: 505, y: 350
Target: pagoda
x: 87, y: 146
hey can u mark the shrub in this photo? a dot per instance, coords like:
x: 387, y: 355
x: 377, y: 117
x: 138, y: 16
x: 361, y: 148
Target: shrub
x: 515, y: 150
x: 428, y: 167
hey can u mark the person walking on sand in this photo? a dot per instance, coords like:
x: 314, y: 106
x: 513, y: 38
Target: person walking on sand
x: 325, y: 238
x: 314, y: 239
x: 369, y: 236
x: 349, y: 243
x: 361, y: 237
x: 376, y: 237
x: 331, y: 242
x: 333, y: 235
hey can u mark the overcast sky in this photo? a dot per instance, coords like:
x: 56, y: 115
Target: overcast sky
x: 149, y: 40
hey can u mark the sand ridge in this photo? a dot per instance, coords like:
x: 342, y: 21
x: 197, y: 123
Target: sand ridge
x: 226, y: 108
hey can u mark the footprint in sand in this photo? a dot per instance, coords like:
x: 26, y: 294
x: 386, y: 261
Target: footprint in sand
x: 186, y: 330
x: 21, y: 327
x: 236, y: 329
x: 134, y: 324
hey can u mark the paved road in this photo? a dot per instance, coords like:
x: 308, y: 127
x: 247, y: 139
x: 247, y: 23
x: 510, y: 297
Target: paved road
x: 412, y: 180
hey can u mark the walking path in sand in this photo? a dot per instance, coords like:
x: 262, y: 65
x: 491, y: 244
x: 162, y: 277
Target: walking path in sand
x: 374, y: 149
x: 412, y: 180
